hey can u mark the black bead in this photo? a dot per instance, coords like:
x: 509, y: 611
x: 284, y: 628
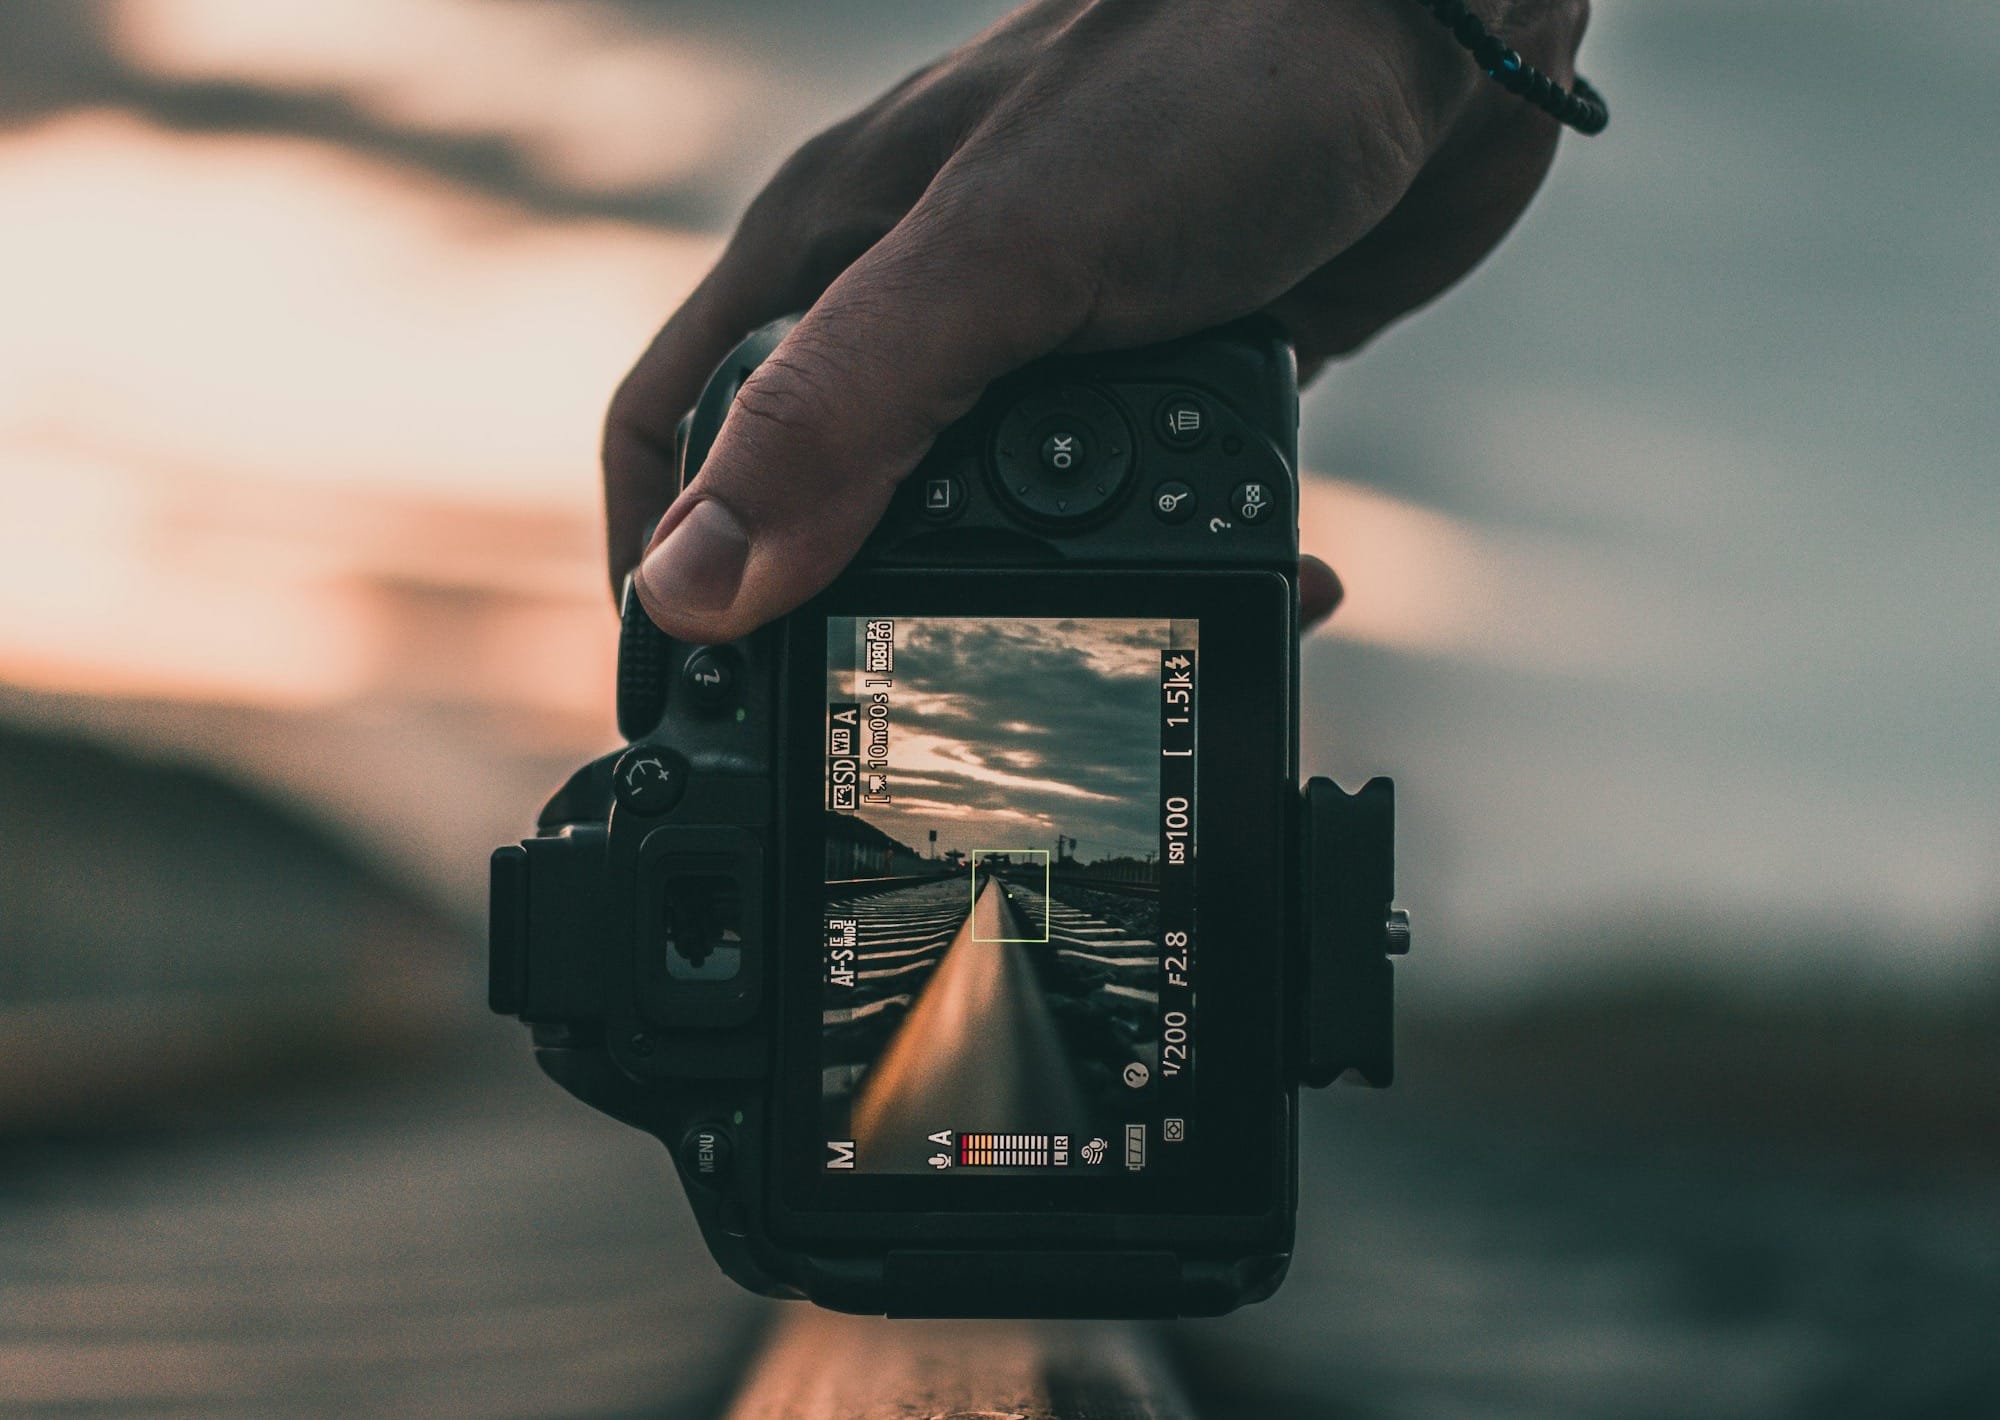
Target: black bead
x: 1582, y: 108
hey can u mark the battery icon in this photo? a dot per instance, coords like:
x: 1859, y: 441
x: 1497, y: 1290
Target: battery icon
x: 1135, y: 1147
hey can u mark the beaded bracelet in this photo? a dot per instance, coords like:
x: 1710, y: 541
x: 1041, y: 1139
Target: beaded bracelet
x: 1580, y: 106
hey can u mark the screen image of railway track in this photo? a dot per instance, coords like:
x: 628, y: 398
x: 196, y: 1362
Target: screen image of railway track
x: 993, y: 839
x: 1009, y: 1005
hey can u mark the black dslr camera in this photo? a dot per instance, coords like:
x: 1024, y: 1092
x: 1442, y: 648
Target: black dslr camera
x: 966, y: 934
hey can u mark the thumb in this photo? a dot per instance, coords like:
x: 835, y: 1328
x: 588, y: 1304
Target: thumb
x: 849, y: 402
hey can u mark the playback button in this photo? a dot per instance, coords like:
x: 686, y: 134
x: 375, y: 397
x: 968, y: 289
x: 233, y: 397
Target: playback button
x: 941, y: 499
x: 1173, y: 502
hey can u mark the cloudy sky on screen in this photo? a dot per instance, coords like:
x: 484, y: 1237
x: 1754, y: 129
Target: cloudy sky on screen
x: 1004, y: 733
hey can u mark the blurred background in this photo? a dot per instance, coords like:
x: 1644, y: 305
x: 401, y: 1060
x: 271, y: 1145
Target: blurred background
x: 1670, y: 549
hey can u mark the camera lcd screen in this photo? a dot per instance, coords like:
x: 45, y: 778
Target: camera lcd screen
x: 1009, y: 944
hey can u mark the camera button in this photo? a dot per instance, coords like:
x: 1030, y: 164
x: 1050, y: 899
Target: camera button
x: 1173, y: 502
x: 1061, y: 455
x: 1254, y: 502
x: 648, y: 779
x: 1065, y: 452
x: 709, y: 675
x: 943, y: 499
x: 706, y: 1154
x: 1183, y: 421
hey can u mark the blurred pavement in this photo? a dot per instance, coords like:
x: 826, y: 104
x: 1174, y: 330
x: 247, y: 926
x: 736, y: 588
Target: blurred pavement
x: 484, y: 1246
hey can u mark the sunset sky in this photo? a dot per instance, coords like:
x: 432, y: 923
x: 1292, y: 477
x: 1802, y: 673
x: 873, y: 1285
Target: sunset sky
x: 1669, y: 540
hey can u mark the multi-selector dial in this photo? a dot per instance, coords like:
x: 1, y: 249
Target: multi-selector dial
x: 1062, y: 455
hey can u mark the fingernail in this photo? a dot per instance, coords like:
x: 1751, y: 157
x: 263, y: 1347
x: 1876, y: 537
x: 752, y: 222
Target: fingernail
x: 700, y: 564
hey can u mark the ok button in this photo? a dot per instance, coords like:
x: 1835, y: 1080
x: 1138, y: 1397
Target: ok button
x: 1064, y: 452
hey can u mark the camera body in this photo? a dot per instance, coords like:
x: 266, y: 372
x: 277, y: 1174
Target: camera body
x: 966, y: 934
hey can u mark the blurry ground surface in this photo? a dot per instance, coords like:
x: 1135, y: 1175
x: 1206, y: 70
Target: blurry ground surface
x: 469, y: 1245
x: 167, y: 932
x: 474, y: 1243
x: 1517, y: 1264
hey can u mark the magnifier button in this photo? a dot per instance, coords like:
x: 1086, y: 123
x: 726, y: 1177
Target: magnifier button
x: 1173, y: 502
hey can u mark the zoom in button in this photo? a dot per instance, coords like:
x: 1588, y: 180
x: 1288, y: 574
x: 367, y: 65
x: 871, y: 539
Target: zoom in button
x: 1173, y: 502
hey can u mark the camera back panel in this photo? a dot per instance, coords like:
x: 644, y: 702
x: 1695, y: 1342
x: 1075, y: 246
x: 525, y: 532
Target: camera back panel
x: 1179, y: 454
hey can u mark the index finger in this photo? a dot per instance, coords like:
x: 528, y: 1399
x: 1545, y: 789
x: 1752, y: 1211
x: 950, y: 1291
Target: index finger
x: 638, y: 449
x: 822, y: 432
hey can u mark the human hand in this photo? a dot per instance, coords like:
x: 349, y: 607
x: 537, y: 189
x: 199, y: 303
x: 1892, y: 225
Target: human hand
x: 1082, y: 176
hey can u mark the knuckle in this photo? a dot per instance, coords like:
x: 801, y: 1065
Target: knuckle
x: 813, y: 159
x: 802, y: 182
x: 844, y: 189
x: 834, y: 244
x: 789, y: 396
x: 793, y: 423
x: 629, y: 404
x: 1038, y: 255
x: 923, y: 120
x: 632, y: 436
